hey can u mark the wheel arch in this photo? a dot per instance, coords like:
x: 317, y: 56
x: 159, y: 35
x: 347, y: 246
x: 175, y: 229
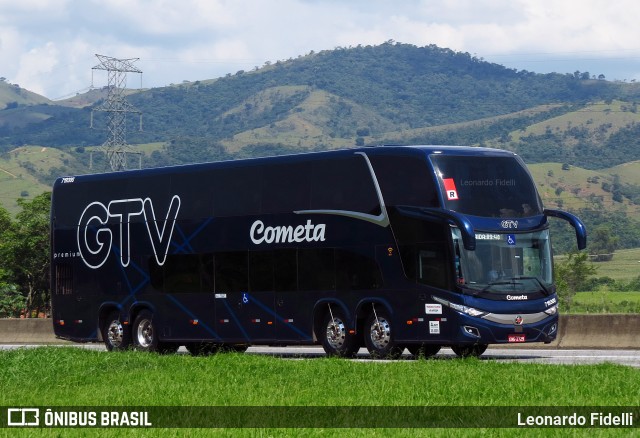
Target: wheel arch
x: 364, y: 307
x: 321, y: 308
x: 139, y: 306
x: 104, y: 311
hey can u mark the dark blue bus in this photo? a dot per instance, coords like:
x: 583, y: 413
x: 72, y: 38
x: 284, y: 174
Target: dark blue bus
x: 388, y: 248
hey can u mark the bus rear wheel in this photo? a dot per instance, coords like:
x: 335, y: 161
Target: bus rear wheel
x: 469, y: 350
x: 423, y: 350
x: 116, y: 336
x: 378, y: 336
x: 145, y: 335
x: 234, y: 348
x: 335, y: 337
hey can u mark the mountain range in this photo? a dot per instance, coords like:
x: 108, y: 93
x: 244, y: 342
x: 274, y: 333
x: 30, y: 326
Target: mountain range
x: 366, y: 95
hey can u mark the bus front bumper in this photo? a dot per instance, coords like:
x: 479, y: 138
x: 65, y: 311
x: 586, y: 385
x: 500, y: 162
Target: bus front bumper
x: 506, y: 329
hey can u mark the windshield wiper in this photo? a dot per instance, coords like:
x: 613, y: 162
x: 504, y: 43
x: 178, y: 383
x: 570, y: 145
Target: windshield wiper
x: 502, y: 283
x: 542, y: 286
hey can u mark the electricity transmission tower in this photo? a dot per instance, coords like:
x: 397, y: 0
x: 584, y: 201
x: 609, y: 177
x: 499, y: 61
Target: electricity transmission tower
x: 116, y: 108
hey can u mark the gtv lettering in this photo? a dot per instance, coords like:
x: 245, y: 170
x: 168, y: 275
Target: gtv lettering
x: 96, y: 240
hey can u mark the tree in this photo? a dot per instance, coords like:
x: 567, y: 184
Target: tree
x: 26, y: 252
x: 572, y: 275
x: 603, y: 244
x: 11, y: 300
x: 5, y: 227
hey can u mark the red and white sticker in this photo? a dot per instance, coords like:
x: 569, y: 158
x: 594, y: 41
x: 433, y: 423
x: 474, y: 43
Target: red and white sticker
x: 450, y: 188
x: 517, y: 338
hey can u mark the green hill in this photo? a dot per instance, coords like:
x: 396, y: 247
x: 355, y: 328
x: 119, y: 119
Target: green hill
x: 21, y: 172
x: 575, y: 188
x: 629, y: 172
x: 12, y: 96
x: 333, y: 98
x: 580, y: 137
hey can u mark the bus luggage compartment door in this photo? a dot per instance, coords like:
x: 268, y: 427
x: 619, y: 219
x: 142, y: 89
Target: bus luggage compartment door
x: 245, y: 317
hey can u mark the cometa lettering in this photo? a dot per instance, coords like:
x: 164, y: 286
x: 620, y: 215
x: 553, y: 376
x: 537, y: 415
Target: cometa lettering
x: 517, y: 297
x: 260, y: 233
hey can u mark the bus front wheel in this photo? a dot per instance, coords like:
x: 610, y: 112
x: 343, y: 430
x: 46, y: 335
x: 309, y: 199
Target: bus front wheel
x: 469, y: 350
x: 335, y: 336
x: 378, y: 335
x: 116, y: 336
x: 423, y: 350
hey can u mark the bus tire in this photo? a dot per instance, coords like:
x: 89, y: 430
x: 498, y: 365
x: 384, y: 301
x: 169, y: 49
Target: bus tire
x: 202, y: 348
x: 335, y: 337
x: 469, y: 350
x: 423, y: 350
x: 378, y: 336
x: 235, y: 348
x: 115, y: 334
x: 167, y: 347
x: 145, y: 333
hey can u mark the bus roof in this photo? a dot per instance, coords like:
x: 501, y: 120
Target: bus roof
x: 397, y: 150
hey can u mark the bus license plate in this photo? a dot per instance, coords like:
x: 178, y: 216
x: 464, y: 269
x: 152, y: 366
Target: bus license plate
x: 516, y: 338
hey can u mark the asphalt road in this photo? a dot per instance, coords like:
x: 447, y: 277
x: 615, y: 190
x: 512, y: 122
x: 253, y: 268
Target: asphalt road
x: 521, y: 355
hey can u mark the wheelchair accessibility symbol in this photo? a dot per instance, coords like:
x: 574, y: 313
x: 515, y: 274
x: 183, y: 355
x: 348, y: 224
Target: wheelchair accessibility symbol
x: 245, y: 298
x: 511, y: 239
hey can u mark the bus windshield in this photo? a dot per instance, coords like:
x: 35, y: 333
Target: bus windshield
x: 505, y: 264
x: 487, y: 186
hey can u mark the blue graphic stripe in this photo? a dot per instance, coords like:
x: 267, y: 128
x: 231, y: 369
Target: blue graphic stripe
x: 235, y: 319
x: 186, y: 241
x: 193, y: 316
x: 276, y: 317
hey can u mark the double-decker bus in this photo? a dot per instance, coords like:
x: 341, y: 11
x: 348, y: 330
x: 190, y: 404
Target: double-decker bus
x: 385, y: 248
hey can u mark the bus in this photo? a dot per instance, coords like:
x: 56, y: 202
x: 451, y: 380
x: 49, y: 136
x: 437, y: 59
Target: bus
x: 387, y: 248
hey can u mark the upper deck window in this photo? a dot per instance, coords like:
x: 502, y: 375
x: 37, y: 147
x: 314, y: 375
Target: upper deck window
x: 405, y: 180
x: 487, y: 186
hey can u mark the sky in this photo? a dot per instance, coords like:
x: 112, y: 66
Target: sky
x: 50, y: 46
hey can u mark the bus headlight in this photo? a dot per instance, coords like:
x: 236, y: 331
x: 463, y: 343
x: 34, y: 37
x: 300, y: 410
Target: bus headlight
x: 552, y: 310
x: 460, y: 308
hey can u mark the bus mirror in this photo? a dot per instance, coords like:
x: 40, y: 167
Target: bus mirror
x: 576, y: 223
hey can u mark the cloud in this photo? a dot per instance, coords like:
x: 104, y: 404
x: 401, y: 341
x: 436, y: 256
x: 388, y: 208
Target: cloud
x: 49, y: 47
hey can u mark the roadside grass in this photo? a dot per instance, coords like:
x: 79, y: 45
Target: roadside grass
x: 606, y: 301
x: 66, y: 376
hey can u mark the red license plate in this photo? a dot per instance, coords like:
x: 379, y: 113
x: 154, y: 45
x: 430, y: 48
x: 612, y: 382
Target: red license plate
x: 516, y: 338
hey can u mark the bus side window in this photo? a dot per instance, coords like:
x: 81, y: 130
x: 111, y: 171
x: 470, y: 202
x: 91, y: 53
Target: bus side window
x: 285, y: 270
x: 231, y: 271
x: 285, y: 188
x: 316, y: 269
x: 432, y: 268
x: 343, y: 184
x: 260, y: 271
x: 405, y: 180
x: 186, y: 273
x: 426, y: 263
x: 234, y: 192
x: 355, y: 271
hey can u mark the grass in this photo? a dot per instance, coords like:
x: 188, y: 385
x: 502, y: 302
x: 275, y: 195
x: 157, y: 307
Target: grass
x: 76, y: 377
x: 625, y: 265
x: 604, y: 301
